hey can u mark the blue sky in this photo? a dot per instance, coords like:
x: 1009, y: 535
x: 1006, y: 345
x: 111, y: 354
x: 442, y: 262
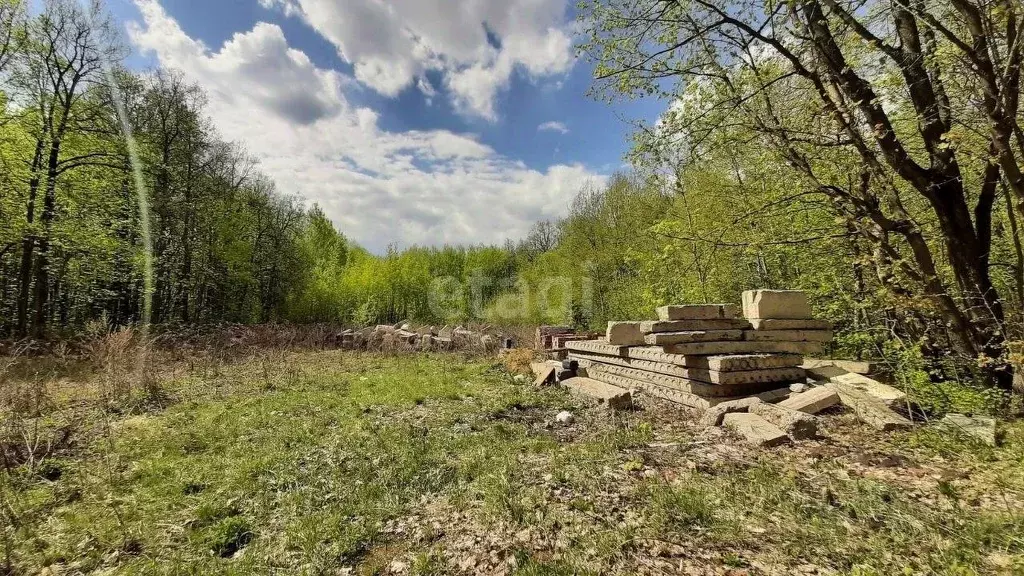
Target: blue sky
x: 409, y: 121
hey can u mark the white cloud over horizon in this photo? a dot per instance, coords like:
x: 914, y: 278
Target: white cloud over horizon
x: 380, y: 188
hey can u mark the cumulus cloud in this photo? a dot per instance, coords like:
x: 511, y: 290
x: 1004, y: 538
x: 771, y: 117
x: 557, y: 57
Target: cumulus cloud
x: 269, y: 73
x: 553, y: 127
x: 475, y: 46
x: 417, y: 187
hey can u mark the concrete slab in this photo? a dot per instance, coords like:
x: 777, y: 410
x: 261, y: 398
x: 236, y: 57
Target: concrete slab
x: 733, y: 378
x: 597, y: 347
x: 724, y: 363
x: 545, y: 376
x: 788, y: 335
x: 612, y: 396
x: 789, y: 324
x: 649, y: 326
x: 796, y: 424
x: 980, y: 427
x: 743, y: 347
x: 812, y: 401
x: 864, y: 367
x: 738, y: 362
x: 689, y: 385
x: 666, y: 338
x: 698, y: 311
x: 891, y: 396
x: 755, y: 430
x: 869, y: 409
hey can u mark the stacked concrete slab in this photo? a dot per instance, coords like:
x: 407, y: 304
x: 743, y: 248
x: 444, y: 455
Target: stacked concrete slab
x: 784, y: 317
x: 738, y: 370
x: 703, y: 355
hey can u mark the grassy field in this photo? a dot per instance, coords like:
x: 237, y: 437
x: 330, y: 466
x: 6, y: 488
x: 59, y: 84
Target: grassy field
x: 350, y: 463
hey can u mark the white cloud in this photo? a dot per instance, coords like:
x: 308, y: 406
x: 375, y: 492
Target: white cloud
x: 268, y: 73
x: 392, y: 43
x: 553, y: 127
x: 418, y: 187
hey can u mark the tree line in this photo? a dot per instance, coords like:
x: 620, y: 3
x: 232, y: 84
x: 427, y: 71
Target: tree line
x: 226, y: 243
x: 867, y: 151
x: 900, y: 119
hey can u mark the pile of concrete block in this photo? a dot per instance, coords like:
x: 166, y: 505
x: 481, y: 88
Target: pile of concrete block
x: 404, y: 336
x: 706, y: 354
x: 553, y: 339
x: 742, y: 371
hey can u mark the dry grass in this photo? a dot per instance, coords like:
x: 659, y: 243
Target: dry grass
x: 518, y: 360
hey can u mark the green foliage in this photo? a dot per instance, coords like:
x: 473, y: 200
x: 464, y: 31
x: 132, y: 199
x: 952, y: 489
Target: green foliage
x: 929, y: 386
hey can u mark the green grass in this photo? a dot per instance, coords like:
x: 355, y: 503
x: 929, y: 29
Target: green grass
x: 320, y: 462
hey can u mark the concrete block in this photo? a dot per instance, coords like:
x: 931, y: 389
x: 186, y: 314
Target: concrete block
x: 604, y: 393
x: 666, y: 338
x: 625, y: 334
x: 787, y: 335
x: 713, y: 416
x: 776, y: 304
x: 813, y: 401
x: 754, y: 429
x: 798, y: 425
x: 698, y: 311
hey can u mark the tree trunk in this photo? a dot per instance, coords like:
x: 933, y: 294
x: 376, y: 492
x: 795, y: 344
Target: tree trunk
x: 28, y: 243
x: 42, y: 282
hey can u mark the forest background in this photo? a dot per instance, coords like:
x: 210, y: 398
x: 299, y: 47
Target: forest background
x: 868, y: 153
